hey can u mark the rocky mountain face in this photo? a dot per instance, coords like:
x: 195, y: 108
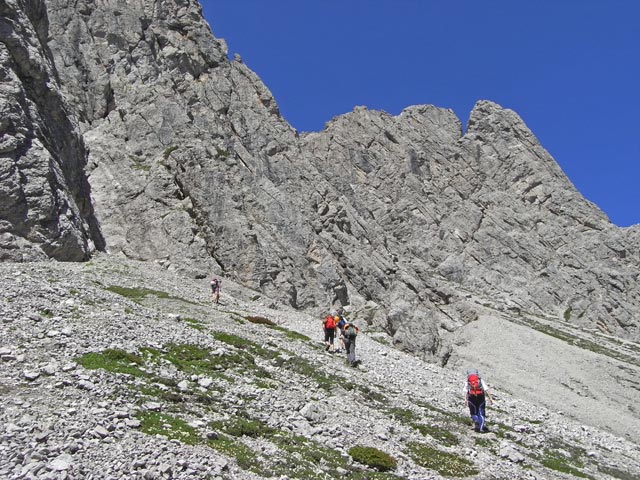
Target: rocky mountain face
x: 45, y: 206
x: 131, y: 131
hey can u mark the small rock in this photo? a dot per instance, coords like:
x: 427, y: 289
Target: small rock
x: 205, y: 382
x: 49, y: 369
x: 132, y: 423
x: 30, y: 375
x: 86, y: 385
x: 509, y: 452
x: 152, y: 406
x: 101, y: 432
x: 72, y: 448
x: 61, y: 463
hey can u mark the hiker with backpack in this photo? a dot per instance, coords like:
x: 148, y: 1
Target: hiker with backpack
x: 476, y: 393
x: 329, y: 327
x: 350, y: 333
x: 215, y: 289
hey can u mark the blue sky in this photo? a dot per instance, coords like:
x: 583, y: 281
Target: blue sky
x: 569, y: 68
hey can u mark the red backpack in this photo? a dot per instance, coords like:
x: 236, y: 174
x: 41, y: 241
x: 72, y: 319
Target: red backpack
x: 475, y: 384
x: 329, y: 322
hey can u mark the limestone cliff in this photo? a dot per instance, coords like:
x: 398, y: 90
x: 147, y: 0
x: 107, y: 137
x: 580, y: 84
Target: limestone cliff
x: 45, y: 207
x: 407, y: 220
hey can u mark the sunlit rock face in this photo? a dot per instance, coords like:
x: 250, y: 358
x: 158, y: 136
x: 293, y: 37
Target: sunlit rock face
x: 408, y: 221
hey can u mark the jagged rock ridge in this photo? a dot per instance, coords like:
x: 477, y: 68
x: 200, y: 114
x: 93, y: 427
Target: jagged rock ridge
x: 405, y: 219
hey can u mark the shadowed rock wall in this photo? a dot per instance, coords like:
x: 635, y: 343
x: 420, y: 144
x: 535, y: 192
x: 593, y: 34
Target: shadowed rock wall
x: 45, y: 205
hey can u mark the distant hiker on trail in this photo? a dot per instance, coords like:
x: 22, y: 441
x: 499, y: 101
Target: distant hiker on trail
x: 215, y: 289
x: 329, y: 326
x: 350, y: 334
x: 475, y: 392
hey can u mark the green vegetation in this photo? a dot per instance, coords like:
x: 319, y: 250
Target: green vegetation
x: 221, y: 152
x: 193, y: 323
x: 412, y: 419
x: 154, y: 423
x: 274, y: 326
x: 484, y: 442
x: 240, y: 426
x: 374, y: 458
x: 260, y: 320
x: 245, y: 457
x: 305, y: 368
x: 138, y: 294
x: 233, y: 340
x: 446, y: 464
x: 197, y: 360
x: 113, y: 360
x: 138, y: 164
x: 171, y: 396
x: 403, y: 415
x: 556, y: 461
x: 291, y: 334
x: 567, y: 314
x: 444, y: 436
x: 247, y: 345
x: 311, y: 460
x: 168, y: 151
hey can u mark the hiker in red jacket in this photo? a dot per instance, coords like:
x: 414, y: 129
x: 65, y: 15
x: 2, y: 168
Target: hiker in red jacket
x: 475, y: 394
x: 329, y: 326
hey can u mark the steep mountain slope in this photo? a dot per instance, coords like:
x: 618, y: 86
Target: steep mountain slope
x: 402, y: 219
x: 119, y: 369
